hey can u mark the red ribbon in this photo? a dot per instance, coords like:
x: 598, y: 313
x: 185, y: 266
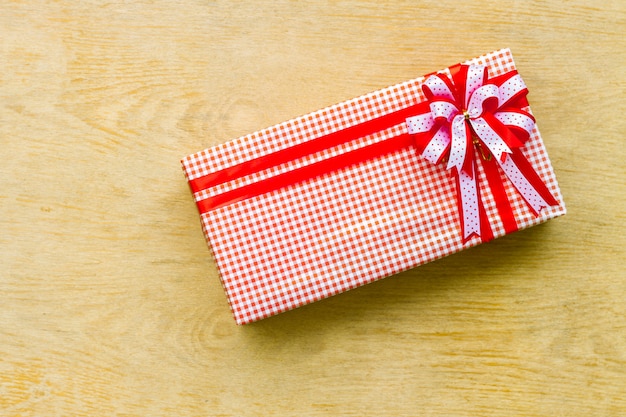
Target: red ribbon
x: 469, y: 113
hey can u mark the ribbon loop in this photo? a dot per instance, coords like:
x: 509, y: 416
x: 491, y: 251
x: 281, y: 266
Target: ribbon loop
x: 484, y: 99
x: 511, y: 90
x: 438, y: 146
x: 476, y: 77
x: 436, y: 86
x: 420, y: 123
x: 443, y: 110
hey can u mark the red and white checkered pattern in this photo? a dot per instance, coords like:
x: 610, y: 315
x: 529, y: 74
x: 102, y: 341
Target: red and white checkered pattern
x: 343, y: 229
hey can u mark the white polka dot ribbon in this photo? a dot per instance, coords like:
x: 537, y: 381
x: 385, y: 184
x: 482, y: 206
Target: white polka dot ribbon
x: 469, y: 111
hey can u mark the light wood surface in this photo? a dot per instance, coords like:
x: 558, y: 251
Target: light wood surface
x: 111, y: 303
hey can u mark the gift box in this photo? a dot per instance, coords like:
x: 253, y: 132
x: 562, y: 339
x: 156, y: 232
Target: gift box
x: 373, y: 186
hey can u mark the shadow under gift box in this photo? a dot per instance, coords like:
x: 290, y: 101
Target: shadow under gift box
x: 345, y: 196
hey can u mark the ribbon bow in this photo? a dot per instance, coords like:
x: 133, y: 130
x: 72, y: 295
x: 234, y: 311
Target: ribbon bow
x: 470, y: 114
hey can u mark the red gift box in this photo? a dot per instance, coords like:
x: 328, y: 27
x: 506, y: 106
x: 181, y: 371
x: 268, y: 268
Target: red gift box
x: 373, y: 186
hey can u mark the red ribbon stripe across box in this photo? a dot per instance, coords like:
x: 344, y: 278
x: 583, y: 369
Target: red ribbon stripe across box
x: 373, y: 186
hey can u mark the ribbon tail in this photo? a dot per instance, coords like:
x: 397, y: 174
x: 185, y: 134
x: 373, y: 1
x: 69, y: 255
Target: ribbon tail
x: 486, y: 234
x: 529, y: 172
x: 469, y: 203
x: 527, y: 182
x: 490, y: 138
x: 503, y: 205
x: 460, y: 147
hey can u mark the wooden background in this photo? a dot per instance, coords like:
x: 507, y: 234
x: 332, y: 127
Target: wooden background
x: 111, y: 304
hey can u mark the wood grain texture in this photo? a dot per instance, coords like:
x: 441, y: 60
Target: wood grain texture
x: 111, y: 304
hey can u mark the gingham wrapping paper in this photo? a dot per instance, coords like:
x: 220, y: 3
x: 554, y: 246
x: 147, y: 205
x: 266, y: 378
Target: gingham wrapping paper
x: 346, y: 228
